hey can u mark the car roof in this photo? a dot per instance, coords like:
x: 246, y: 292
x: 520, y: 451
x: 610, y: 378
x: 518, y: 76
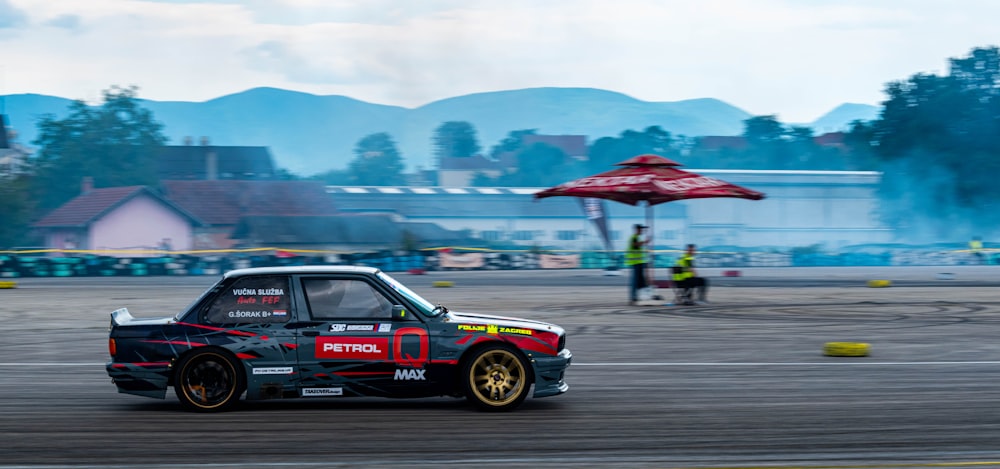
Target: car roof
x: 303, y: 269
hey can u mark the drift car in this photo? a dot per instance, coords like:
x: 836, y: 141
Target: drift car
x: 331, y: 331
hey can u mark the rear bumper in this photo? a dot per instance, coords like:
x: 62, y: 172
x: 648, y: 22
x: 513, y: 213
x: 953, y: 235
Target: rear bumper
x: 141, y: 379
x: 550, y: 372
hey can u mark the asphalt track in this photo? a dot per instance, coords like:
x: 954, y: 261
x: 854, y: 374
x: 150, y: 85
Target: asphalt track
x: 739, y: 383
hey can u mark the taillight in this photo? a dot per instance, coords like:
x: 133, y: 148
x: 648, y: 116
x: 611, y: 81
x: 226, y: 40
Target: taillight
x: 112, y: 348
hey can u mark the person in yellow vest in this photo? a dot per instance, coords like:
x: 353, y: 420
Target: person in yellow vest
x: 688, y: 275
x: 976, y: 248
x: 635, y: 259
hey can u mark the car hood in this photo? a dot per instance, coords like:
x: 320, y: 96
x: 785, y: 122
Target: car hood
x: 504, y: 321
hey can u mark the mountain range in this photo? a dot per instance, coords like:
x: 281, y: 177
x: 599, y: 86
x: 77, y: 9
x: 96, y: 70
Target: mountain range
x: 309, y: 134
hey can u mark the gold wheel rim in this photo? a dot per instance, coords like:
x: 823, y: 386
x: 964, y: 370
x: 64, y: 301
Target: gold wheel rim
x: 222, y: 375
x: 497, y: 377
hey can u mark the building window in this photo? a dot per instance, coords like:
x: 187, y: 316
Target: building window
x: 524, y: 235
x: 490, y: 235
x: 566, y: 235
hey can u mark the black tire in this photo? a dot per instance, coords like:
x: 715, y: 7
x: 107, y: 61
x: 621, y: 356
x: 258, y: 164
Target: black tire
x: 208, y: 381
x: 496, y: 378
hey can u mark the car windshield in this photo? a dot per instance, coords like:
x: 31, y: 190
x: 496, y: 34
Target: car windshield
x: 425, y: 307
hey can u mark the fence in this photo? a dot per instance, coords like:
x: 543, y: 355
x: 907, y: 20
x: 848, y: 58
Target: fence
x: 58, y: 263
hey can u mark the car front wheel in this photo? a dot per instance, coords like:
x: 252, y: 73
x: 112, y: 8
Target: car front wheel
x: 207, y: 381
x: 496, y: 378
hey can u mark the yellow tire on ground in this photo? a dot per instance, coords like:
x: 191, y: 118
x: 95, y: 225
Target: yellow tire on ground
x: 444, y: 283
x: 846, y: 349
x: 8, y: 284
x: 878, y: 283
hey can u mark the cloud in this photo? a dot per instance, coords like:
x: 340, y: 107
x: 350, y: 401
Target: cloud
x: 10, y: 16
x: 791, y: 58
x: 68, y: 22
x: 280, y: 58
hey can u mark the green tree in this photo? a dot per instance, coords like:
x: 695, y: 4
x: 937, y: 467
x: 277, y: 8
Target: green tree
x: 514, y: 141
x: 116, y: 143
x: 455, y: 139
x: 540, y: 165
x: 16, y: 208
x: 605, y: 152
x: 936, y: 141
x: 377, y: 162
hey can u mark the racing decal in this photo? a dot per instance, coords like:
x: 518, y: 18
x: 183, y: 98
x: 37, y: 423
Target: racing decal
x: 533, y: 344
x: 412, y: 374
x: 176, y: 342
x: 310, y: 392
x: 352, y: 348
x: 276, y: 370
x: 494, y: 329
x: 360, y: 327
x: 405, y: 359
x: 218, y: 329
x: 262, y: 299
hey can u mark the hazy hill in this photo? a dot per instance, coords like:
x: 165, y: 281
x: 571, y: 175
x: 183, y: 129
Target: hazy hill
x: 841, y: 117
x: 309, y: 134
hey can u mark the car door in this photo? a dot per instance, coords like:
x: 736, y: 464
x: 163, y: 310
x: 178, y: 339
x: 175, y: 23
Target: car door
x: 352, y: 345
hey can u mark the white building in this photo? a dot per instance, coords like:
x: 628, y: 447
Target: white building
x: 802, y: 208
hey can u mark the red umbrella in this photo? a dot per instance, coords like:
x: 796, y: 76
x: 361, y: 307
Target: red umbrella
x: 648, y: 178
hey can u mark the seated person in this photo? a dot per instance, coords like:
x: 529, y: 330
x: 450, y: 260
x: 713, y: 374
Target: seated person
x: 687, y: 277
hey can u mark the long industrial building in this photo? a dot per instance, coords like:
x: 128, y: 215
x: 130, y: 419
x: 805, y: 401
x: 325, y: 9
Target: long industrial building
x: 832, y: 209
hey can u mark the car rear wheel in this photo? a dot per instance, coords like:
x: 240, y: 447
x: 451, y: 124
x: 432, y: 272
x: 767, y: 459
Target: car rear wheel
x: 207, y: 381
x: 496, y: 378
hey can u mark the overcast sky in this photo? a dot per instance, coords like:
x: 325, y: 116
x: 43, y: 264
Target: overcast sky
x: 796, y: 59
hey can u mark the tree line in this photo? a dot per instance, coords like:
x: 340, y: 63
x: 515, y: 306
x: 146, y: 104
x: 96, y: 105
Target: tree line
x: 936, y: 140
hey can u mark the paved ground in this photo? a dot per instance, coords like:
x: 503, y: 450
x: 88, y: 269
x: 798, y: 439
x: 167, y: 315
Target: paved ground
x: 739, y: 383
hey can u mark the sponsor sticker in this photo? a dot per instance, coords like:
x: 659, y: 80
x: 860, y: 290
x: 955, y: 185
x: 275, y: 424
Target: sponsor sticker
x: 409, y: 375
x: 338, y: 327
x: 353, y: 348
x: 280, y: 312
x: 385, y: 327
x: 312, y: 392
x: 494, y: 329
x: 276, y: 370
x: 361, y: 327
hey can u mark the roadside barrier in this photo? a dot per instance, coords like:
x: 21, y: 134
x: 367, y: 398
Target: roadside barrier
x: 77, y: 263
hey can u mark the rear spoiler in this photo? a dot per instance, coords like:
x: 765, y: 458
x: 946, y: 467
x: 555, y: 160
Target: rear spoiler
x: 120, y: 317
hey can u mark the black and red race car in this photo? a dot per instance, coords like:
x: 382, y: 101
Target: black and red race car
x: 331, y: 331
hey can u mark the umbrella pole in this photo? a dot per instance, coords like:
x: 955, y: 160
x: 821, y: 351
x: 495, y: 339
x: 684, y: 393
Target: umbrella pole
x: 649, y: 247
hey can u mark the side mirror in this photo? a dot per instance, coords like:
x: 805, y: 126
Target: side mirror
x: 399, y: 313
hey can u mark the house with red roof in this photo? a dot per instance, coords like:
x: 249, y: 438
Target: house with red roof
x: 118, y: 218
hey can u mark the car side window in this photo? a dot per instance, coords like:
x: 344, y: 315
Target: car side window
x: 345, y: 299
x: 251, y: 300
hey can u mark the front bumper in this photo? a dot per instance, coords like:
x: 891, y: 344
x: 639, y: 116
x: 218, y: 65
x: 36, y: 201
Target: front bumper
x: 550, y: 372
